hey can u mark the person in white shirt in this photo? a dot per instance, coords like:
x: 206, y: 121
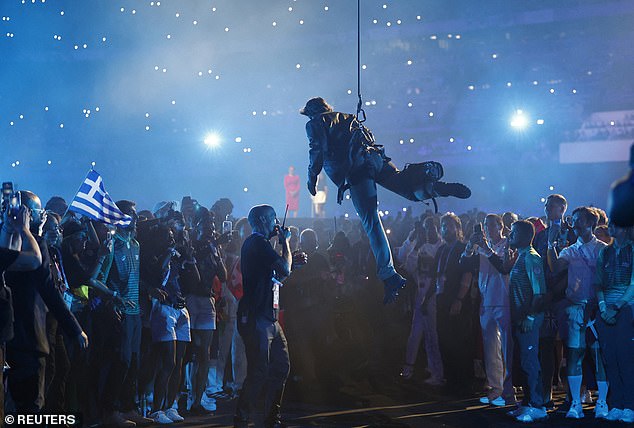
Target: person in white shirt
x: 580, y: 259
x: 417, y: 255
x: 495, y: 311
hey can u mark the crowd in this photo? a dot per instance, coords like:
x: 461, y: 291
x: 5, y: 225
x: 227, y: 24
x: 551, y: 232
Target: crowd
x: 138, y: 324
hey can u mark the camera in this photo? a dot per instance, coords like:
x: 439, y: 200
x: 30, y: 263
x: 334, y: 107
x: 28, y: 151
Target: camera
x: 11, y: 200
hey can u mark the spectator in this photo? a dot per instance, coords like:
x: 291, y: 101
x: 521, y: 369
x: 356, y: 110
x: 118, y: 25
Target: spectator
x: 615, y: 293
x: 495, y: 314
x: 527, y: 287
x: 123, y: 278
x: 455, y: 329
x: 580, y: 260
x: 418, y: 253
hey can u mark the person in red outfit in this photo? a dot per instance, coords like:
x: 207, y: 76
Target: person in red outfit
x: 291, y: 184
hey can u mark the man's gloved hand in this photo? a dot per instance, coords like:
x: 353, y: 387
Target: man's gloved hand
x: 526, y: 324
x: 312, y: 184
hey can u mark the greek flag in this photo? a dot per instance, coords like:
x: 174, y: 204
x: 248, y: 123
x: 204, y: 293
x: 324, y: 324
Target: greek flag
x: 94, y: 202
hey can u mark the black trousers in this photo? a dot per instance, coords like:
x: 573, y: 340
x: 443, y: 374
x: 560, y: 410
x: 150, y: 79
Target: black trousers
x: 268, y: 367
x: 26, y: 380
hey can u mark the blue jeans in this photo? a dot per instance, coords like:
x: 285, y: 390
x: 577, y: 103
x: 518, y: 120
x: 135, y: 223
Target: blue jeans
x: 528, y: 345
x: 363, y: 194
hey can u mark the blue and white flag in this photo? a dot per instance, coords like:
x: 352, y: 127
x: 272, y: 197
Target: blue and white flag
x: 94, y: 202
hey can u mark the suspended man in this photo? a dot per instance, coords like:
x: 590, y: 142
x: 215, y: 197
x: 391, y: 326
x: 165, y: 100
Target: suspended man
x: 346, y: 150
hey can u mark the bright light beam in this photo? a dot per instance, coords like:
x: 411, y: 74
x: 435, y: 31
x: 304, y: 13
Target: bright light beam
x: 519, y: 121
x: 212, y: 140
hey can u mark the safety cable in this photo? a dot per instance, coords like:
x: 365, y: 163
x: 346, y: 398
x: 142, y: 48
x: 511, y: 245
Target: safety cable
x: 360, y: 112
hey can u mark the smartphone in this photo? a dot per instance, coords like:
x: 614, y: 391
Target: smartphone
x: 227, y: 226
x: 477, y: 228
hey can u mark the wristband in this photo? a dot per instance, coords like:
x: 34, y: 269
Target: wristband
x: 530, y: 317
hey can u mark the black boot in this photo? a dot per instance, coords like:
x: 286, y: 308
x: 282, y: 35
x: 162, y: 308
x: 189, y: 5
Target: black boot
x: 457, y: 190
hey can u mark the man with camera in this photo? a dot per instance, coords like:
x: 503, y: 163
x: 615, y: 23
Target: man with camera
x: 34, y: 293
x: 14, y: 256
x: 267, y: 353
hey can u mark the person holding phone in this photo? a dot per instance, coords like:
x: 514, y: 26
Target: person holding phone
x: 495, y: 310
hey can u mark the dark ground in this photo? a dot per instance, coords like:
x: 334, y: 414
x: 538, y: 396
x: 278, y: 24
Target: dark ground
x: 397, y: 405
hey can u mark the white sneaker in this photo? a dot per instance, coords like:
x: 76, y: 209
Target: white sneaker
x: 627, y: 416
x: 173, y: 415
x: 614, y: 414
x: 576, y: 411
x: 159, y: 417
x: 600, y: 409
x: 532, y: 414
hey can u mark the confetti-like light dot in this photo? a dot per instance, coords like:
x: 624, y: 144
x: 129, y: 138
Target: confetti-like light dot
x: 264, y: 113
x: 451, y: 140
x: 178, y: 14
x: 200, y: 73
x: 326, y: 8
x: 226, y: 29
x: 147, y: 114
x: 103, y: 39
x: 346, y: 215
x: 173, y: 102
x: 409, y: 62
x: 574, y: 91
x: 398, y: 21
x: 122, y: 9
x: 431, y: 114
x: 411, y: 140
x: 246, y: 189
x: 238, y: 139
x: 509, y: 84
x: 49, y: 162
x: 389, y: 24
x: 612, y: 123
x: 551, y: 188
x: 61, y: 12
x: 543, y: 199
x: 535, y: 83
x: 298, y: 66
x: 301, y: 22
x: 552, y: 91
x: 290, y: 9
x: 274, y: 24
x: 169, y: 36
x: 93, y: 163
x: 85, y: 46
x: 349, y: 91
x: 11, y: 123
x: 61, y: 125
x: 46, y: 108
x: 418, y: 17
x: 471, y: 87
x: 469, y: 148
x: 147, y: 128
x: 133, y: 11
x: 97, y: 108
x: 21, y: 116
x: 409, y: 104
x: 364, y: 66
x: 156, y: 67
x: 494, y: 56
x: 254, y: 113
x: 384, y: 6
x: 195, y: 22
x: 374, y: 21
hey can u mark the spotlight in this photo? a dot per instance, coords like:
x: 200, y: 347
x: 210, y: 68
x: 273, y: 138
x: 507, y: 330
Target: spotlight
x: 519, y: 121
x: 212, y: 140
